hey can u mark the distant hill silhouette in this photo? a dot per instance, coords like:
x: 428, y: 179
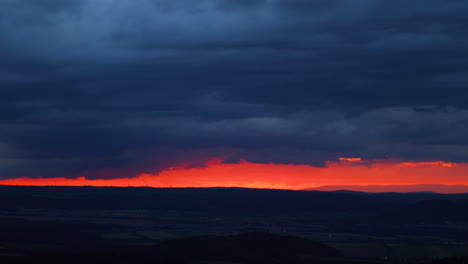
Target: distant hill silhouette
x: 226, y: 201
x: 437, y: 188
x: 213, y: 201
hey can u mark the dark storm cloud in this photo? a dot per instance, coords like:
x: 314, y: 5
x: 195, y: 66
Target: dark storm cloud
x: 106, y: 87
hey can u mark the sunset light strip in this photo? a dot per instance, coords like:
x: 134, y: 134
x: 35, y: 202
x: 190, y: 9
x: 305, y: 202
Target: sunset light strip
x: 344, y: 172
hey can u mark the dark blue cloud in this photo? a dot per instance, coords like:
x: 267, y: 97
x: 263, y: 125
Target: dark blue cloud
x: 83, y: 82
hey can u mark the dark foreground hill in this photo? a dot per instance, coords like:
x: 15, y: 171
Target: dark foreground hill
x: 454, y: 260
x: 257, y: 247
x: 248, y: 248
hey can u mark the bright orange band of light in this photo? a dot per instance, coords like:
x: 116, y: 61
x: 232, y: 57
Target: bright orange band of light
x: 345, y: 172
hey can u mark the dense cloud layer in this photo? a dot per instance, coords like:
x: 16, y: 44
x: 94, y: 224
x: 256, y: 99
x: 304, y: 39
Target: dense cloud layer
x: 131, y: 86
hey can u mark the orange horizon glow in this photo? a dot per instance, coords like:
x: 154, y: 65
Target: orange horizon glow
x: 434, y: 163
x: 344, y: 172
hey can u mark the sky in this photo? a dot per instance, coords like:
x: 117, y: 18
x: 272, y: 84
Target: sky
x: 201, y: 93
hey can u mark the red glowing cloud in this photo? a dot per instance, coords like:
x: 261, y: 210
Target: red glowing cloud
x: 345, y: 172
x: 351, y: 159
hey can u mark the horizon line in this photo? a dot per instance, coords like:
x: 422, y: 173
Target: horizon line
x: 335, y: 188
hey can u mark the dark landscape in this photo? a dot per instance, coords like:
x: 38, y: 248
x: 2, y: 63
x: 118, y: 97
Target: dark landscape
x: 234, y: 225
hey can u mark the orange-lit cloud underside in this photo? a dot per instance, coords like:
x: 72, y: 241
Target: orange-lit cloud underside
x: 346, y: 171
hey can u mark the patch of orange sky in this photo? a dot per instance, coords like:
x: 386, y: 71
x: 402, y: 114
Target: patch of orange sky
x: 345, y: 171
